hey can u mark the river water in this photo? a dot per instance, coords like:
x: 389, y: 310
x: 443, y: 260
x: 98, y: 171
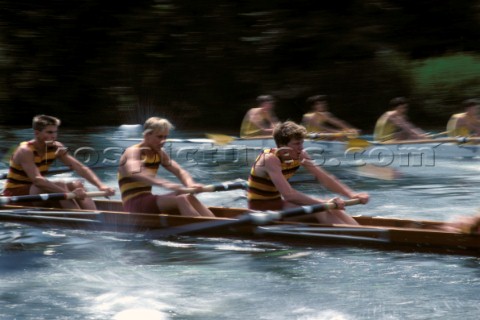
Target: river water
x: 71, y: 274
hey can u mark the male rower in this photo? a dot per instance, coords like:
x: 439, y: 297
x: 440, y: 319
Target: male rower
x: 137, y: 174
x: 394, y: 124
x: 32, y: 159
x: 259, y: 121
x: 467, y: 123
x: 268, y: 186
x: 320, y: 120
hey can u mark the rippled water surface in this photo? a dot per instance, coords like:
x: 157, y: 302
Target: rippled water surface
x: 71, y: 274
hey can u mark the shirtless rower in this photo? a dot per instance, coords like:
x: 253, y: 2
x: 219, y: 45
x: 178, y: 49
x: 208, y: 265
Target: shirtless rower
x: 32, y: 159
x: 394, y: 124
x: 260, y: 120
x: 268, y: 186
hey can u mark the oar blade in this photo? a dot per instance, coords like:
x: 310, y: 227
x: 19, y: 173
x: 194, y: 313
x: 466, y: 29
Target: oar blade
x: 379, y: 173
x: 220, y: 139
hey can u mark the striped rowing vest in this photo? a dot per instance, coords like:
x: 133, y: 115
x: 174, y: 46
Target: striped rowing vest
x: 129, y: 187
x: 17, y: 177
x: 262, y: 188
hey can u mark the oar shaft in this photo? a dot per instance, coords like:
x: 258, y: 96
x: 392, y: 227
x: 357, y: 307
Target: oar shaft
x: 224, y: 186
x: 47, y: 196
x: 255, y: 218
x: 61, y: 169
x: 458, y: 140
x: 362, y: 143
x: 266, y: 217
x: 319, y: 135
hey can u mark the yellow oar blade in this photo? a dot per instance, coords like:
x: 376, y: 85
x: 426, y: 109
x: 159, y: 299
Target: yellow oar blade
x: 380, y: 173
x: 220, y: 139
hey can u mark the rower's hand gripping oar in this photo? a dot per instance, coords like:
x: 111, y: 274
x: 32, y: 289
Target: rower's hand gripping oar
x: 48, y: 196
x: 255, y: 218
x: 221, y: 186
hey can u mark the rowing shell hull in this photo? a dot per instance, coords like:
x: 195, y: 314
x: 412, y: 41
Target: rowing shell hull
x: 385, y: 233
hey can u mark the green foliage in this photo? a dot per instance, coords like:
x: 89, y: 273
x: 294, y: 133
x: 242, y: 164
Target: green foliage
x: 202, y: 63
x: 443, y: 82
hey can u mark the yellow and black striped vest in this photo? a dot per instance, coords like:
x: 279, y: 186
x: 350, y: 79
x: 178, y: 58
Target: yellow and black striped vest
x: 130, y: 187
x: 17, y: 177
x: 262, y: 188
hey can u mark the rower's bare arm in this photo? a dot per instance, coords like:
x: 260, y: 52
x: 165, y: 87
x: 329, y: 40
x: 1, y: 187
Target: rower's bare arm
x: 25, y: 158
x: 182, y: 175
x: 339, y: 123
x: 406, y: 125
x: 85, y: 172
x: 326, y: 179
x: 332, y: 183
x: 274, y: 169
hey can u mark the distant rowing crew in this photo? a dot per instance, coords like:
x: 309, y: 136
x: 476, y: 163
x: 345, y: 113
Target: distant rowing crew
x: 239, y: 150
x: 393, y: 125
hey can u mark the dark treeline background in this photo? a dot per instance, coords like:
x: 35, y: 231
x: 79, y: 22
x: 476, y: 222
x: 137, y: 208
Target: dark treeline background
x: 202, y: 63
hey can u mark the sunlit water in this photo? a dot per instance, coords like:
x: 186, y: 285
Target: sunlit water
x: 71, y: 274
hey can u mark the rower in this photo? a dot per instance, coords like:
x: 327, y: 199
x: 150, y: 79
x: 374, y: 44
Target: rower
x: 467, y: 123
x: 268, y: 186
x: 394, y: 124
x: 137, y: 174
x: 32, y: 159
x: 320, y: 120
x: 260, y: 120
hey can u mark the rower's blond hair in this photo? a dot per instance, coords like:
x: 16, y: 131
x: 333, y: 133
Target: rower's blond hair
x: 286, y: 131
x: 156, y: 123
x: 42, y: 121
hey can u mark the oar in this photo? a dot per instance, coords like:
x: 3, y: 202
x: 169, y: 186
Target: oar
x: 45, y: 219
x: 61, y: 169
x: 320, y: 135
x: 332, y: 233
x: 434, y: 135
x: 361, y: 143
x: 220, y: 139
x: 381, y: 173
x: 255, y: 218
x: 221, y: 186
x: 47, y: 196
